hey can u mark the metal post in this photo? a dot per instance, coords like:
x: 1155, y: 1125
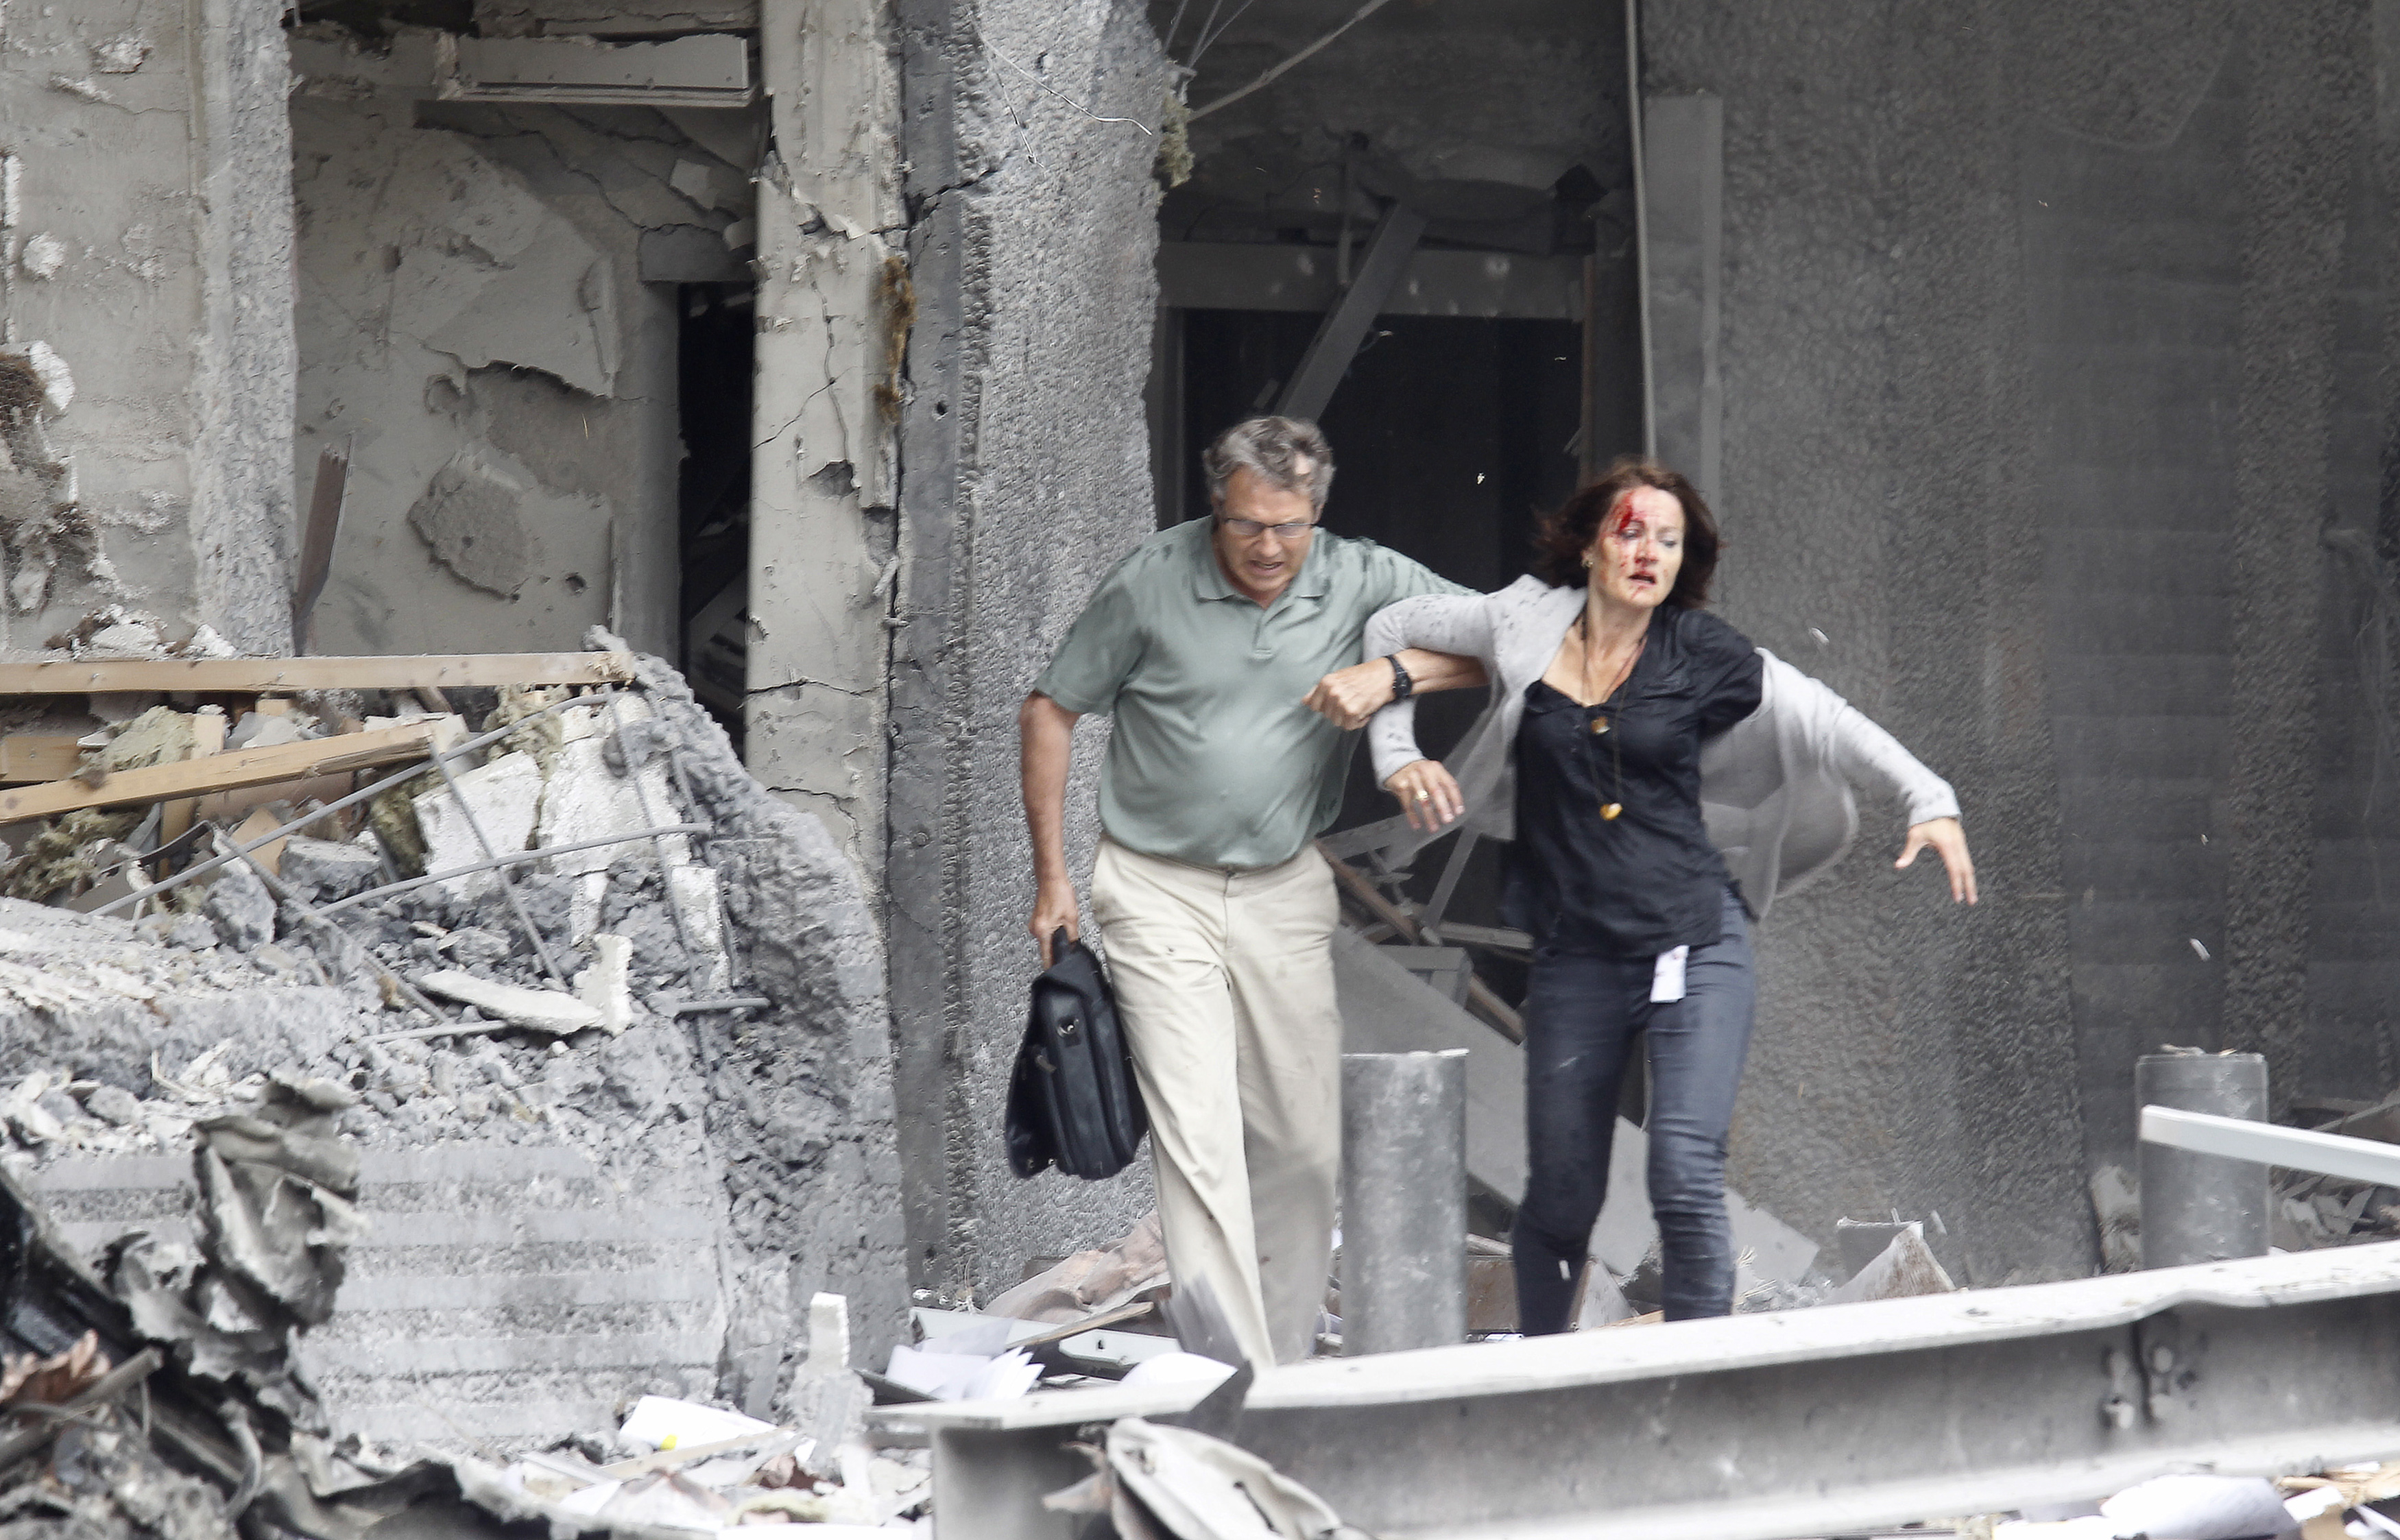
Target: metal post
x: 1403, y: 1201
x: 2196, y: 1207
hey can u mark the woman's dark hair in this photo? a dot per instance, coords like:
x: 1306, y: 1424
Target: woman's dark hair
x: 1559, y: 543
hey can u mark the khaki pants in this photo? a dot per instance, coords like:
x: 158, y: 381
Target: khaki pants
x: 1224, y: 980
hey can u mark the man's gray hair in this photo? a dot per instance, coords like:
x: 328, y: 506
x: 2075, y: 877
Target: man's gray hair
x: 1283, y: 452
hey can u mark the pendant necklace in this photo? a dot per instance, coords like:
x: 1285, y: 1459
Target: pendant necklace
x: 1599, y: 724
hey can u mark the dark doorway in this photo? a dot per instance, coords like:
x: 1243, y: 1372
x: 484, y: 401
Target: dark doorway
x: 714, y: 375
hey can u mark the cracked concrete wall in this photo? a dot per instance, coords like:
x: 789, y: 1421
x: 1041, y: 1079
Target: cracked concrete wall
x: 145, y: 244
x: 2038, y: 399
x: 476, y: 332
x: 1024, y: 475
x: 833, y: 294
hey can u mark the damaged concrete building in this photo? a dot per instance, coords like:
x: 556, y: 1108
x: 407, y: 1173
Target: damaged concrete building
x: 2037, y: 359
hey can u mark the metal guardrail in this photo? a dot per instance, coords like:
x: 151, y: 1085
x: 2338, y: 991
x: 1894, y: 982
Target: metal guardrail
x: 1756, y: 1427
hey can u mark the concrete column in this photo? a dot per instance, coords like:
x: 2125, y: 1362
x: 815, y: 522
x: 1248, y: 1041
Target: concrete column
x: 1403, y: 1201
x: 831, y: 293
x: 145, y: 276
x: 1682, y: 155
x: 2201, y: 1208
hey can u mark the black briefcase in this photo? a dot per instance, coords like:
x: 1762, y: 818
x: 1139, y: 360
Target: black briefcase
x: 1072, y: 1101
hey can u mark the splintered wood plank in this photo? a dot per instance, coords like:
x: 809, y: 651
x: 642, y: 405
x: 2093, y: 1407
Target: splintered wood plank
x: 270, y: 675
x: 38, y: 756
x: 350, y: 751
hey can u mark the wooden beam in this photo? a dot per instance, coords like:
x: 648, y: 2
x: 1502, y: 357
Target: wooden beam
x: 349, y: 751
x: 39, y: 756
x: 273, y: 676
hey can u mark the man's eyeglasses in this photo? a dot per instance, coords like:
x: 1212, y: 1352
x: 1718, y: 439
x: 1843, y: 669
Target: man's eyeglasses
x: 1250, y: 529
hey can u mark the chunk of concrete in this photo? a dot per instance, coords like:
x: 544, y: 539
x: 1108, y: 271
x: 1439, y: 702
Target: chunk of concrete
x: 585, y: 799
x: 240, y: 907
x: 693, y: 892
x: 323, y: 870
x: 504, y: 795
x: 536, y: 1010
x: 1905, y: 1267
x: 603, y: 984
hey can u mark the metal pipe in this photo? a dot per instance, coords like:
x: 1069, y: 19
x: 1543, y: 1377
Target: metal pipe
x: 2198, y: 1208
x: 1403, y: 1201
x: 362, y: 794
x: 517, y: 858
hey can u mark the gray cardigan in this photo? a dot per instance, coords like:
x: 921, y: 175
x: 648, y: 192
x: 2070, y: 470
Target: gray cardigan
x: 1775, y: 788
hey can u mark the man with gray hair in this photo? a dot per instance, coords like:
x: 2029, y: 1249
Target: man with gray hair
x: 1216, y: 645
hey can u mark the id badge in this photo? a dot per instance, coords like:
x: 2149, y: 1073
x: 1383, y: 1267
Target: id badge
x: 1666, y: 981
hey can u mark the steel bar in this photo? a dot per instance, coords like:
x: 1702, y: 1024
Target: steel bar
x: 2200, y: 1207
x: 1344, y: 326
x: 362, y: 794
x: 282, y: 892
x: 737, y: 1003
x: 491, y: 852
x: 1756, y: 1427
x: 515, y: 858
x: 2266, y: 1144
x: 1403, y: 1201
x: 658, y: 846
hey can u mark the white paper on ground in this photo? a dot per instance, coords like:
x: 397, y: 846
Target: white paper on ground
x: 962, y: 1376
x: 655, y: 1419
x: 1667, y: 979
x: 592, y: 1499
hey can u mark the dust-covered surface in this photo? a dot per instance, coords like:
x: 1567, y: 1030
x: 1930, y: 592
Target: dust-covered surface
x: 2051, y: 348
x: 754, y: 1140
x: 1033, y: 248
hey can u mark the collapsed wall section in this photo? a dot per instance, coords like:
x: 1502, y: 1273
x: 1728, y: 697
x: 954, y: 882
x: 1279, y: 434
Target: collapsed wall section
x: 1031, y: 134
x: 561, y: 1223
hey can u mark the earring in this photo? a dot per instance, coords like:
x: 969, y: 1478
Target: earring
x: 1586, y: 561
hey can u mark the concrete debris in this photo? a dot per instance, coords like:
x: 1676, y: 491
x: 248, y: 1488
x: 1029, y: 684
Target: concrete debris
x: 536, y: 1010
x: 603, y: 984
x: 1153, y: 1482
x: 1091, y: 1281
x: 827, y: 1401
x: 2117, y: 1204
x: 1903, y: 1268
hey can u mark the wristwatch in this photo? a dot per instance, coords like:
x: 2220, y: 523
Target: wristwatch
x: 1402, y: 686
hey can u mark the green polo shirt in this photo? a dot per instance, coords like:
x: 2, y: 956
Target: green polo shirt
x: 1213, y: 760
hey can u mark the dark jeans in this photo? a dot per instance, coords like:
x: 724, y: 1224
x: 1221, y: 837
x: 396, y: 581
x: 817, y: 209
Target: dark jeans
x: 1583, y: 1016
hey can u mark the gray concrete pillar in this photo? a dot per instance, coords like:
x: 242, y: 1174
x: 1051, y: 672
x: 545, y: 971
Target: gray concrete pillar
x: 1682, y: 268
x: 2195, y: 1207
x: 1403, y: 1201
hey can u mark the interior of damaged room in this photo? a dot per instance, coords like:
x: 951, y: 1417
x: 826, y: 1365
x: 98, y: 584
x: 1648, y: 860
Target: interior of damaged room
x: 525, y: 527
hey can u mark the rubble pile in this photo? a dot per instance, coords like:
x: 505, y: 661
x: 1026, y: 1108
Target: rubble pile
x: 203, y: 1422
x: 672, y: 974
x: 343, y: 944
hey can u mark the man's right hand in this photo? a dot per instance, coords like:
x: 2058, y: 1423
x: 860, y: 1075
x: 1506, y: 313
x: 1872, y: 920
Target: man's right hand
x: 1054, y: 910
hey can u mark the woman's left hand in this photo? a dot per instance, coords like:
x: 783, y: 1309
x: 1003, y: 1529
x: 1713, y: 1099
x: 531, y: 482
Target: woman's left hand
x: 1949, y: 843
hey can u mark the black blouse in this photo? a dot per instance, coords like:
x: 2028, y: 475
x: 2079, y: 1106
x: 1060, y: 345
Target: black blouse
x: 1647, y: 880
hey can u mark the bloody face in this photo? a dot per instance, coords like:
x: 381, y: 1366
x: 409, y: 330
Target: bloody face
x: 1639, y: 549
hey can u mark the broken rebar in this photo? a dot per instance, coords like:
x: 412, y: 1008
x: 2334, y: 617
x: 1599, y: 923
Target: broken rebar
x: 508, y: 888
x: 363, y: 794
x: 283, y: 893
x: 515, y: 858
